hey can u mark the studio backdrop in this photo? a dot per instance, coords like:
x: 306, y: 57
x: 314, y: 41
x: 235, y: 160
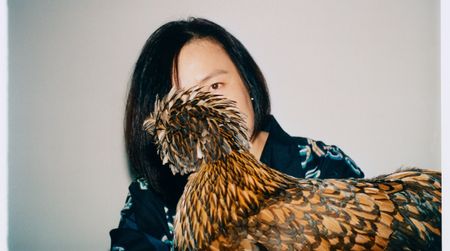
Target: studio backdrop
x: 362, y: 75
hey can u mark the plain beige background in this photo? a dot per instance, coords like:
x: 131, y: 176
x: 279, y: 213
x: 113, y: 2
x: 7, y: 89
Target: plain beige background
x: 363, y: 75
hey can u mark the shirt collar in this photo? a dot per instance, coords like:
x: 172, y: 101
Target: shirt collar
x: 274, y: 129
x: 277, y: 141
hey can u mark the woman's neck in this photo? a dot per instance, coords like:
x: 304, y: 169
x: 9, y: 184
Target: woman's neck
x: 258, y: 143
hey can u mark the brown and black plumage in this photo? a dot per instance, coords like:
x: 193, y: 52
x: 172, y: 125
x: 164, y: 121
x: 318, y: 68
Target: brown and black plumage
x: 234, y: 202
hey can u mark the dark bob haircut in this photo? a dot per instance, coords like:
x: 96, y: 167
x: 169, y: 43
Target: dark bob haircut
x: 152, y: 76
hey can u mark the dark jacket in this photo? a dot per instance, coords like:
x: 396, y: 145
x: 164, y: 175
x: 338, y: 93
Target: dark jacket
x: 146, y: 222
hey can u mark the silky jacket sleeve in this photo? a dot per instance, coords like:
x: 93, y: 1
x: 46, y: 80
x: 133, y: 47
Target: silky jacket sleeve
x: 144, y: 223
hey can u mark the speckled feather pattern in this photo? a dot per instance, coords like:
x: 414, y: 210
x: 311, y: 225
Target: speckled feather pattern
x: 234, y: 202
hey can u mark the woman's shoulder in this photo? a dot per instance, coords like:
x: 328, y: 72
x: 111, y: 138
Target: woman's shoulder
x: 305, y: 157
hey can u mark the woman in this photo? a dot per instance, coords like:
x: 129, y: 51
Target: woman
x: 182, y: 54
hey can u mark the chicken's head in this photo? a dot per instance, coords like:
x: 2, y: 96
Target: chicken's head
x: 192, y: 127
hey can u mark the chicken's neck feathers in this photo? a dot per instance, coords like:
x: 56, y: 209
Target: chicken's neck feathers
x: 227, y: 191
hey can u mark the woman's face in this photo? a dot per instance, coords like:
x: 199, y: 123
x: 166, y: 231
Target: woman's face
x: 204, y: 62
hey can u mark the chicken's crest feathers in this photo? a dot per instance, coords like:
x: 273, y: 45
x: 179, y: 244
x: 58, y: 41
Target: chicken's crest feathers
x: 192, y: 127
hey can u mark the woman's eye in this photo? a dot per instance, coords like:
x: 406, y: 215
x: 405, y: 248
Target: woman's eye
x: 215, y: 86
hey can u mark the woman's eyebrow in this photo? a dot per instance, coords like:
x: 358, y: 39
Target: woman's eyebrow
x: 213, y: 74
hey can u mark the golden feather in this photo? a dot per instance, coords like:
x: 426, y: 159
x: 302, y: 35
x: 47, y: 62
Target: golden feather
x: 234, y: 202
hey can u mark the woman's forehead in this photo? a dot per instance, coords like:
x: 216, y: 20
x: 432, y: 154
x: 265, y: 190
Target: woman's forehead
x: 200, y: 60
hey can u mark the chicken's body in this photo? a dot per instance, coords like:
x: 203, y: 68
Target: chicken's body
x: 234, y: 202
x: 240, y: 202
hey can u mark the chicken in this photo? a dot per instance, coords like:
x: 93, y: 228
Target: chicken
x: 232, y: 201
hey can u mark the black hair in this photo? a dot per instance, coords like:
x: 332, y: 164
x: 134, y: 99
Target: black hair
x: 152, y: 77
